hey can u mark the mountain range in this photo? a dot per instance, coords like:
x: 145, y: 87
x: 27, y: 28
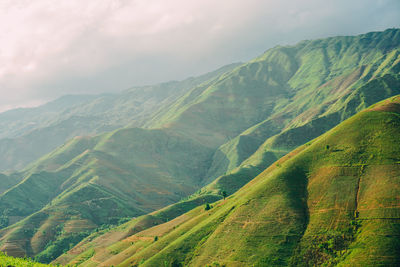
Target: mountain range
x: 29, y: 133
x: 309, y: 169
x: 332, y: 201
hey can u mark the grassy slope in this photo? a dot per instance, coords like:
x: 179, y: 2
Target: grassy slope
x: 102, y: 245
x: 344, y: 88
x: 332, y: 201
x: 240, y: 171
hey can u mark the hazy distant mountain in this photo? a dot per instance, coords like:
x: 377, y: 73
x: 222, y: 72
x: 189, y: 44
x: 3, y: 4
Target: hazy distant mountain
x: 29, y: 133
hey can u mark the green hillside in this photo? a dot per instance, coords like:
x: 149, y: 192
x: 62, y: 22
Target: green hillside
x: 315, y: 107
x: 237, y: 167
x: 104, y: 244
x: 215, y: 136
x: 332, y: 201
x: 89, y: 183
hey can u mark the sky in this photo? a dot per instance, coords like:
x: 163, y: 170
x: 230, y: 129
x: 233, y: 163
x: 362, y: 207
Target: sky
x: 51, y: 48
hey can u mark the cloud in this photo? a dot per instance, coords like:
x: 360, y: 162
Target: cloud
x: 50, y: 48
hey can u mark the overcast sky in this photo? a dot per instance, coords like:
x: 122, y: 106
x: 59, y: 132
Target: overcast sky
x: 50, y: 48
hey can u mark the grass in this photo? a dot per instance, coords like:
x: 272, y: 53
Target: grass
x: 112, y: 241
x: 330, y: 202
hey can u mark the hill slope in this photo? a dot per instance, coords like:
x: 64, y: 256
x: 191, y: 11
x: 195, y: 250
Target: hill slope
x: 91, y: 182
x: 311, y: 112
x: 333, y: 200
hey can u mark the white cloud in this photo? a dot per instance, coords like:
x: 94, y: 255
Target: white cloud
x: 49, y: 48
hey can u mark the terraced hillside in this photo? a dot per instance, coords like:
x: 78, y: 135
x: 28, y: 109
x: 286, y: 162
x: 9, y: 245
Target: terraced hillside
x: 332, y: 201
x: 220, y: 134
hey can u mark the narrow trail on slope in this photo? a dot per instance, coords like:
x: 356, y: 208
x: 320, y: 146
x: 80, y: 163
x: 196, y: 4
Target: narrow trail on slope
x: 357, y: 196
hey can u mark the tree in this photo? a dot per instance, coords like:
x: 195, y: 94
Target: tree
x: 207, y: 207
x: 224, y: 194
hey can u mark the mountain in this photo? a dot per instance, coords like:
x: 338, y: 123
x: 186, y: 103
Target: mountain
x: 29, y: 133
x: 214, y: 137
x: 332, y: 201
x: 318, y: 100
x: 285, y: 88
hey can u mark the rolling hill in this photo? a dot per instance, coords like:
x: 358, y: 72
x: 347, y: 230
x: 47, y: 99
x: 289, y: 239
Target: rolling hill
x: 332, y: 201
x: 213, y: 137
x: 126, y: 173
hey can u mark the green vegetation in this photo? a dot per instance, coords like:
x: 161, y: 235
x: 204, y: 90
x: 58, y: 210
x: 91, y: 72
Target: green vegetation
x: 126, y: 173
x: 224, y: 194
x: 18, y: 262
x: 318, y: 85
x: 59, y: 246
x: 113, y: 240
x: 319, y: 207
x: 203, y: 136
